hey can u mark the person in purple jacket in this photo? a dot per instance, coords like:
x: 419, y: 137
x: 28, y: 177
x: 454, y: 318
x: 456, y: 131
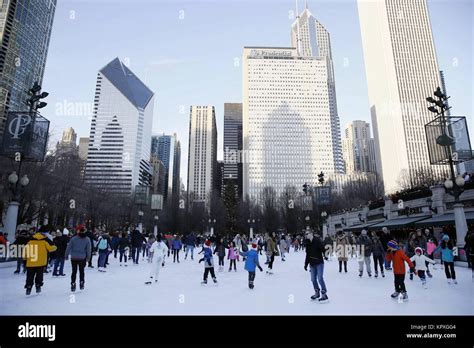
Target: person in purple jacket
x: 233, y: 255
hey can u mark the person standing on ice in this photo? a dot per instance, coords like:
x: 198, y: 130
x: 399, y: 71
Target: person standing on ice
x: 80, y: 249
x: 272, y: 251
x: 220, y: 251
x: 364, y: 245
x: 190, y: 244
x: 123, y: 247
x: 283, y: 247
x: 420, y: 261
x: 342, y: 251
x: 208, y: 262
x: 158, y: 250
x: 378, y: 254
x: 447, y: 256
x: 233, y: 255
x: 315, y: 259
x: 398, y: 258
x: 251, y: 262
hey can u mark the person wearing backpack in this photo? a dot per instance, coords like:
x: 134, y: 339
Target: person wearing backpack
x: 103, y: 246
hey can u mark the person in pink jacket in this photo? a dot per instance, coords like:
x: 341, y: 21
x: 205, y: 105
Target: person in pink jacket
x: 233, y: 255
x: 430, y: 247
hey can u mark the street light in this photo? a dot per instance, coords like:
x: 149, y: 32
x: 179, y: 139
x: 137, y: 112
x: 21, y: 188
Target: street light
x: 155, y: 230
x: 212, y: 223
x: 251, y: 223
x: 140, y: 217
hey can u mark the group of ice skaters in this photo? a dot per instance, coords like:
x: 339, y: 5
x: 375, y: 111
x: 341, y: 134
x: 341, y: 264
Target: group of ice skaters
x: 386, y: 252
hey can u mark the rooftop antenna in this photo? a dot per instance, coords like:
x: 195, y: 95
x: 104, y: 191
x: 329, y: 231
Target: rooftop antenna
x: 306, y: 4
x: 298, y: 36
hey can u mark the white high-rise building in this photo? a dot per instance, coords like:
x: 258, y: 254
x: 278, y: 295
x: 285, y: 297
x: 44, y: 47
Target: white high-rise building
x: 402, y: 70
x: 358, y: 148
x: 290, y: 122
x: 202, y: 154
x: 118, y: 157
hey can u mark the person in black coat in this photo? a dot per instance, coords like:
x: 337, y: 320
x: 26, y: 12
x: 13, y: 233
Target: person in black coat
x: 22, y: 239
x: 61, y: 245
x: 137, y: 241
x: 123, y: 247
x: 92, y: 239
x: 386, y: 237
x: 315, y: 259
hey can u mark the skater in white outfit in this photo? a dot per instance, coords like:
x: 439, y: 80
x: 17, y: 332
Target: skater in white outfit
x: 420, y: 261
x: 159, y: 250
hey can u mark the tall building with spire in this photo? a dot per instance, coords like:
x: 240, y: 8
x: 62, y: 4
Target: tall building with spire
x: 118, y: 157
x: 402, y: 70
x: 290, y: 122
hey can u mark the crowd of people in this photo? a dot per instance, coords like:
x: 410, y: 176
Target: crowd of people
x: 54, y: 248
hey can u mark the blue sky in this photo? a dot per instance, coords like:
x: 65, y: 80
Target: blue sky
x: 189, y: 53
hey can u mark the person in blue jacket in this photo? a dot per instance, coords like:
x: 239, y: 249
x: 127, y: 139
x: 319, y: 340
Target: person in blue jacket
x: 447, y: 256
x: 251, y: 263
x: 176, y: 245
x: 190, y: 244
x: 115, y: 243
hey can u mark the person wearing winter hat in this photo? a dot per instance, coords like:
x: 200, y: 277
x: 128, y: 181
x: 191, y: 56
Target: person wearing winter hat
x: 398, y: 258
x: 365, y: 246
x: 80, y: 249
x: 447, y: 256
x: 158, y: 250
x: 36, y: 255
x: 251, y: 262
x: 61, y: 242
x: 420, y: 261
x: 208, y: 262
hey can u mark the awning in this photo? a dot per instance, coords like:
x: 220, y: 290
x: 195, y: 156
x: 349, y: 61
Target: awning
x: 444, y: 220
x: 360, y: 227
x: 399, y: 222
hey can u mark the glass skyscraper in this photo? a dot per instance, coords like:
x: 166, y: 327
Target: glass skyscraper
x: 25, y: 30
x: 167, y: 149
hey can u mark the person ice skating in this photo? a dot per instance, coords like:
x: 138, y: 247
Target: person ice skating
x: 410, y: 248
x: 447, y: 256
x: 398, y: 258
x: 92, y: 239
x: 378, y: 253
x: 251, y: 263
x: 176, y: 246
x: 315, y: 259
x: 469, y: 248
x: 124, y: 248
x: 158, y: 252
x: 283, y: 247
x: 115, y: 243
x: 61, y: 243
x: 149, y: 243
x: 386, y: 237
x: 220, y: 251
x: 430, y: 248
x: 233, y: 256
x: 365, y: 250
x: 342, y: 252
x: 103, y: 247
x: 208, y: 262
x: 190, y: 244
x: 137, y: 240
x: 21, y: 240
x: 80, y: 249
x: 36, y: 255
x: 420, y: 260
x: 272, y: 251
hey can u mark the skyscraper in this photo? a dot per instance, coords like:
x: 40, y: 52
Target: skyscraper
x: 202, y: 154
x: 25, y: 30
x: 118, y: 158
x: 67, y: 150
x: 358, y: 148
x: 402, y: 70
x: 290, y: 122
x: 233, y: 145
x: 167, y: 149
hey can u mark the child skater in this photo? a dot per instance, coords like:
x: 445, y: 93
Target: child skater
x: 420, y: 261
x: 447, y: 256
x: 233, y: 255
x: 251, y: 262
x: 398, y: 258
x: 208, y: 262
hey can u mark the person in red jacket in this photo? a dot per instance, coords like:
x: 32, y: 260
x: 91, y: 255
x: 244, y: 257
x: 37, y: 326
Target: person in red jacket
x: 398, y: 258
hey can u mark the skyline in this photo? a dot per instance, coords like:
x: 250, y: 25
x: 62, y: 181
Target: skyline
x: 170, y: 68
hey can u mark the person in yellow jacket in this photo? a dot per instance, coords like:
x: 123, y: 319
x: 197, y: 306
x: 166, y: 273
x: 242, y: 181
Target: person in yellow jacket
x: 36, y: 256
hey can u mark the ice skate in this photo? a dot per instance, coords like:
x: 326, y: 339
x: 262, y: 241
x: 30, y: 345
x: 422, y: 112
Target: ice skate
x: 383, y: 275
x: 455, y: 281
x: 81, y: 285
x: 395, y: 294
x: 316, y: 295
x: 449, y: 281
x: 73, y: 287
x: 411, y: 276
x: 429, y: 274
x: 215, y: 281
x: 323, y: 299
x: 376, y: 275
x: 370, y: 275
x: 204, y: 282
x: 28, y: 291
x: 404, y: 297
x: 38, y: 289
x: 360, y: 273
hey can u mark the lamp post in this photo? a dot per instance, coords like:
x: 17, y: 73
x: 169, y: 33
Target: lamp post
x: 140, y: 222
x: 251, y: 223
x: 212, y: 223
x: 155, y: 229
x: 455, y: 184
x: 16, y: 184
x: 324, y: 214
